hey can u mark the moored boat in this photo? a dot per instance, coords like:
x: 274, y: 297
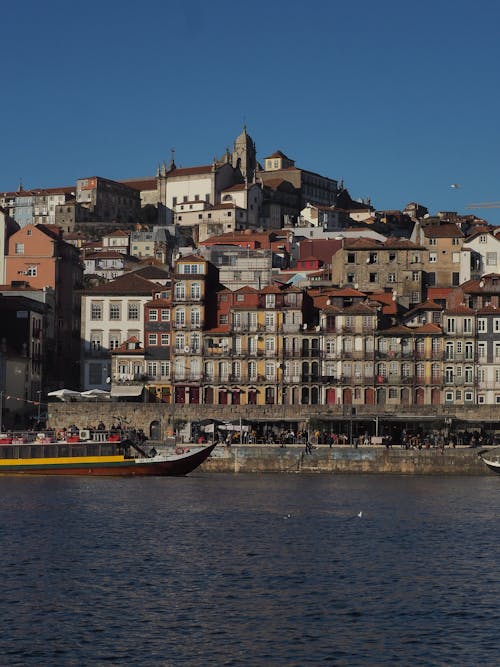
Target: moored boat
x: 104, y: 455
x: 492, y: 461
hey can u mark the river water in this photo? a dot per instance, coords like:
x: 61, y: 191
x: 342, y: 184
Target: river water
x: 250, y: 570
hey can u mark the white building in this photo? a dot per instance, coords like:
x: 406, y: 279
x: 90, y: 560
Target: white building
x: 480, y: 255
x: 111, y: 314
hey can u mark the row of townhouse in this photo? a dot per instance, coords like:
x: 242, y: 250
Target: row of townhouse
x: 190, y: 340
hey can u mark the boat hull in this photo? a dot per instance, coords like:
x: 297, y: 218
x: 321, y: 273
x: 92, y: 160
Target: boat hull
x: 108, y: 466
x: 492, y: 465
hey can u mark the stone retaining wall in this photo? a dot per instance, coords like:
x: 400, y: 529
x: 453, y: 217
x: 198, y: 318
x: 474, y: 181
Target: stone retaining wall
x: 323, y: 459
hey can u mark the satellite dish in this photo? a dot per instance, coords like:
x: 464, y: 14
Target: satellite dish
x: 108, y: 380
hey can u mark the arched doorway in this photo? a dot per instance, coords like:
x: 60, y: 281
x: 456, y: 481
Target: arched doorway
x: 435, y: 396
x: 252, y: 397
x: 330, y: 396
x: 235, y: 397
x: 405, y: 396
x: 269, y: 395
x: 381, y: 396
x: 347, y: 394
x: 419, y: 396
x: 209, y: 395
x: 370, y: 396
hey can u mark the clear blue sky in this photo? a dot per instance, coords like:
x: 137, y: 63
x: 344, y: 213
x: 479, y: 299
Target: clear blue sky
x: 398, y: 98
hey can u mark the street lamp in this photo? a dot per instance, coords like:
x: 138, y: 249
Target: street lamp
x: 39, y: 392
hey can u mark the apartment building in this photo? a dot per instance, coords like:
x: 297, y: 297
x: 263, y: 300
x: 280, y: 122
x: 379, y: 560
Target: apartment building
x: 370, y: 266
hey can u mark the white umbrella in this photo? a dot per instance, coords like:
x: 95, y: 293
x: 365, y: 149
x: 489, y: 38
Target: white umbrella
x: 65, y: 394
x: 95, y: 393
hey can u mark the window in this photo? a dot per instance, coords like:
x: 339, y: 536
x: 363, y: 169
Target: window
x: 468, y: 396
x: 152, y: 339
x: 32, y: 271
x: 351, y: 278
x: 153, y: 315
x: 165, y: 339
x: 481, y: 325
x: 432, y: 241
x: 165, y: 315
x: 431, y: 279
x: 114, y: 311
x: 19, y: 249
x: 469, y: 349
x: 133, y: 311
x: 180, y: 318
x: 455, y: 278
x: 95, y: 341
x: 373, y: 258
x: 448, y: 397
x: 468, y: 374
x: 433, y: 257
x: 152, y: 369
x: 180, y: 291
x: 195, y: 290
x: 483, y: 238
x: 491, y: 258
x: 392, y: 257
x: 415, y: 276
x: 165, y: 369
x: 455, y: 241
x: 451, y: 325
x: 455, y: 257
x: 391, y: 278
x: 468, y: 325
x: 496, y: 324
x: 96, y: 311
x: 195, y: 317
x: 415, y: 297
x: 114, y: 341
x: 373, y: 277
x: 351, y: 258
x: 481, y: 350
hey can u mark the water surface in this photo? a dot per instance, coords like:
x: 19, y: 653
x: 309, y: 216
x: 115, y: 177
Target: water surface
x: 250, y: 570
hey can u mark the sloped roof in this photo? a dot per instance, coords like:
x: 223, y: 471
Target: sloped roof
x: 443, y: 231
x: 190, y: 171
x: 129, y: 283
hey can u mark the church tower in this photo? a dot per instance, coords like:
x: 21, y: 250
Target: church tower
x: 245, y: 155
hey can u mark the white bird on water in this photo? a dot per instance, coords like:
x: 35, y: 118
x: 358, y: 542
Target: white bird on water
x: 360, y: 514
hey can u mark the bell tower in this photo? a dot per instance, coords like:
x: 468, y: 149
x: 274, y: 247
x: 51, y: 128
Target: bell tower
x: 245, y: 155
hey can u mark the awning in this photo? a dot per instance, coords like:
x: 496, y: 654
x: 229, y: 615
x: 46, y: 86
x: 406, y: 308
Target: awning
x: 127, y: 390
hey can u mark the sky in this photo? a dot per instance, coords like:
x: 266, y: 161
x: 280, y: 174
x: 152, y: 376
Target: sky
x: 399, y: 99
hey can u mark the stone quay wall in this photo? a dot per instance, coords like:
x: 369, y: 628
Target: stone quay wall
x: 340, y: 460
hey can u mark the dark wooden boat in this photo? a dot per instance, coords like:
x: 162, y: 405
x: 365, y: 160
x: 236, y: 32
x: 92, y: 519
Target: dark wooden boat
x: 103, y: 456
